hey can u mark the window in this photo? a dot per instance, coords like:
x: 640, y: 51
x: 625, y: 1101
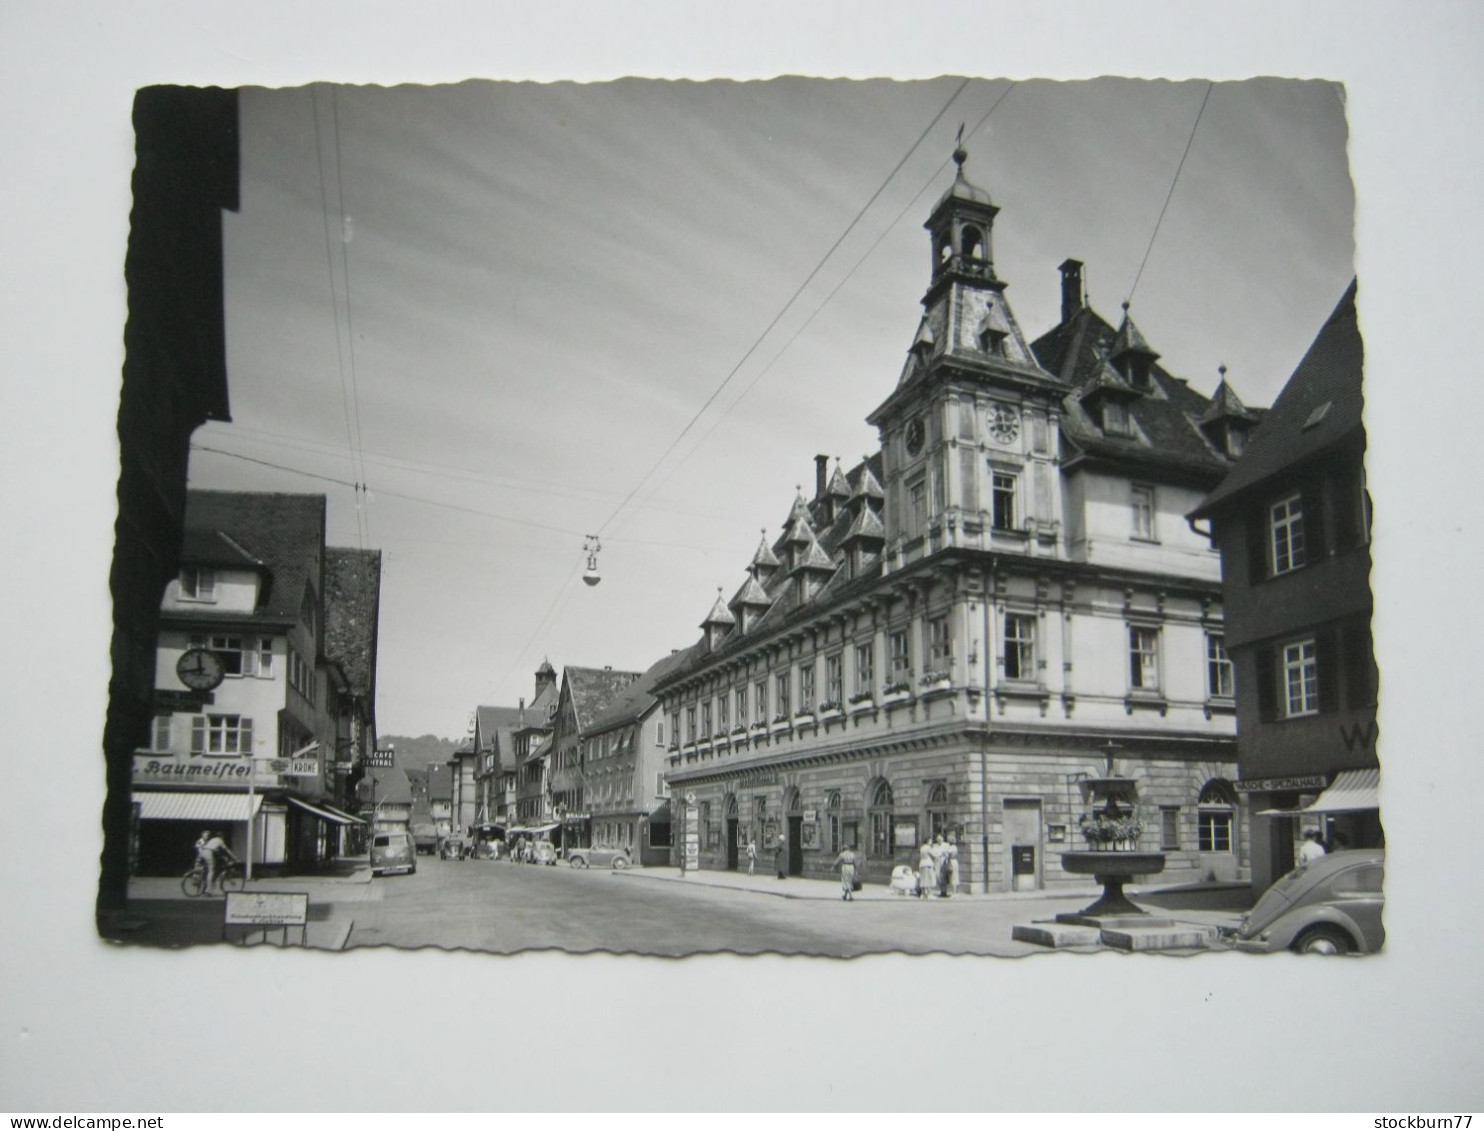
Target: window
x: 706, y: 719
x: 781, y: 688
x: 742, y: 706
x: 882, y: 802
x: 661, y: 787
x: 834, y: 689
x: 675, y: 727
x: 900, y: 657
x: 244, y: 655
x: 760, y: 694
x: 937, y: 809
x: 690, y: 724
x: 197, y: 584
x: 865, y: 659
x: 1217, y: 807
x: 659, y: 732
x: 1020, y: 646
x: 1169, y: 828
x: 722, y: 722
x: 806, y: 687
x: 1286, y: 534
x: 917, y: 508
x: 940, y: 652
x: 1301, y: 678
x: 160, y: 738
x: 1002, y: 487
x: 221, y: 734
x: 1143, y: 658
x: 1115, y: 419
x: 1220, y: 680
x: 1143, y: 511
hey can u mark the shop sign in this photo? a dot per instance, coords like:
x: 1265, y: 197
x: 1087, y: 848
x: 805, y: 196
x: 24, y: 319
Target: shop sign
x: 811, y: 814
x: 760, y: 777
x: 692, y: 838
x: 201, y: 769
x: 1298, y: 782
x: 191, y: 701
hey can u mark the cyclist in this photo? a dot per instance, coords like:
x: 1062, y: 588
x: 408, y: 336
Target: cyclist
x: 216, y: 850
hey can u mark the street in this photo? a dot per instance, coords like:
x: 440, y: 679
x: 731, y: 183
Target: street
x: 506, y: 908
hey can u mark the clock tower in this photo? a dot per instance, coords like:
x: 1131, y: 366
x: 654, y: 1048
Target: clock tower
x: 969, y: 436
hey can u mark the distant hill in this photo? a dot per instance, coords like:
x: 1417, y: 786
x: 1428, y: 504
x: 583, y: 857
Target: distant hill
x: 416, y: 753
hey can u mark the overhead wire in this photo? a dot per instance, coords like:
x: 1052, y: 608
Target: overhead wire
x: 885, y: 231
x: 1175, y: 180
x: 784, y: 309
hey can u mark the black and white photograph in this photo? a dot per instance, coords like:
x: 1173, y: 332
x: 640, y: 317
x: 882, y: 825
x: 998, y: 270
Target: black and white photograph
x: 559, y: 523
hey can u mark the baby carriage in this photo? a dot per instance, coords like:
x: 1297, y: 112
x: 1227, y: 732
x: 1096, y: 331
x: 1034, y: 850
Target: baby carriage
x: 903, y: 880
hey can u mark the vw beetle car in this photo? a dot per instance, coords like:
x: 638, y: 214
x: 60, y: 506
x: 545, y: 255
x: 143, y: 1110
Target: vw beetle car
x: 542, y: 852
x: 1330, y: 906
x: 616, y: 858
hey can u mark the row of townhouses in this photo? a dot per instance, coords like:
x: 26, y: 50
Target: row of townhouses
x: 1062, y: 553
x: 265, y: 690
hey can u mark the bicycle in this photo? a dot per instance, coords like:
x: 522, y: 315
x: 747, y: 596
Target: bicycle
x: 228, y: 878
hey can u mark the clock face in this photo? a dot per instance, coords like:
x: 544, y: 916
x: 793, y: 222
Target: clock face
x: 1004, y: 424
x: 914, y: 437
x: 200, y: 669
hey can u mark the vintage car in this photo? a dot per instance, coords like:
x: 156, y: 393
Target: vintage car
x: 453, y: 848
x: 1331, y: 905
x: 542, y: 852
x: 616, y: 858
x: 392, y: 852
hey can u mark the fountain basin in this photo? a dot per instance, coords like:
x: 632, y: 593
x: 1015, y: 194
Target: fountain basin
x: 1093, y: 862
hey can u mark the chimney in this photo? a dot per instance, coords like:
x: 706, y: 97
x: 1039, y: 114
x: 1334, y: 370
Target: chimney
x: 821, y: 470
x: 1071, y: 289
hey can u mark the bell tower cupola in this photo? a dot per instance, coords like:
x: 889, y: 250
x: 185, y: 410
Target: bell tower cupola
x: 962, y: 226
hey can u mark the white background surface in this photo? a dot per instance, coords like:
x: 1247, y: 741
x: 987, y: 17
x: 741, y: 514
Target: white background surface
x: 87, y: 1027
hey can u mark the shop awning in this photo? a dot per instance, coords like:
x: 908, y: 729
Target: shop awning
x: 322, y: 814
x: 1351, y: 791
x: 533, y: 828
x: 661, y: 816
x: 341, y: 813
x: 198, y: 806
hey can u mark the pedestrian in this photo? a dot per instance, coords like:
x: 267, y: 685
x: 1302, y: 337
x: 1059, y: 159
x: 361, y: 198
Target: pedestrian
x: 950, y: 866
x: 751, y: 855
x: 1312, y: 849
x: 780, y: 857
x: 846, y: 863
x: 927, y: 869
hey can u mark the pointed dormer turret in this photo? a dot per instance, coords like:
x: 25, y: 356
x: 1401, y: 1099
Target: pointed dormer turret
x: 719, y: 621
x: 1131, y: 355
x: 796, y: 541
x: 836, y: 494
x: 1228, y: 421
x: 812, y: 566
x: 864, y: 539
x: 867, y: 493
x: 764, y: 563
x: 800, y: 509
x: 749, y: 604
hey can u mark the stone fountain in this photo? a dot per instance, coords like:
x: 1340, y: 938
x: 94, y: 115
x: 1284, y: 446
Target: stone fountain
x: 1113, y: 857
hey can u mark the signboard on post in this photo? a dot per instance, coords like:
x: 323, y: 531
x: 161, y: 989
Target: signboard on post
x: 691, y: 860
x: 266, y: 909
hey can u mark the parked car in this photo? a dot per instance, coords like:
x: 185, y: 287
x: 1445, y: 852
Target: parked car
x: 616, y: 858
x: 392, y: 852
x: 542, y: 852
x: 1332, y: 905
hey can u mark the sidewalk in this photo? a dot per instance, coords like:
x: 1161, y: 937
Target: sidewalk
x: 161, y: 914
x: 1205, y: 904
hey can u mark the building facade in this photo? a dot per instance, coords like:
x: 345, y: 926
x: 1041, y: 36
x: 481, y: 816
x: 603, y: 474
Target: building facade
x: 252, y: 706
x: 587, y: 694
x: 946, y: 638
x: 1293, y: 523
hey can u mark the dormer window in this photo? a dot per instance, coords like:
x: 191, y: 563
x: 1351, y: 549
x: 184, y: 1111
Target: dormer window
x: 992, y: 341
x: 197, y: 584
x: 1115, y: 418
x: 1236, y: 441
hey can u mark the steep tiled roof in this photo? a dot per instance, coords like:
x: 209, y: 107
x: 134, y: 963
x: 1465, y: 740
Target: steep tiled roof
x: 392, y: 786
x: 1165, y: 417
x: 440, y: 782
x: 1330, y: 373
x: 352, y: 609
x: 636, y: 700
x: 594, y: 690
x: 286, y: 533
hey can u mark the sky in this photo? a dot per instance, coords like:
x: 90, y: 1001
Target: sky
x: 499, y: 306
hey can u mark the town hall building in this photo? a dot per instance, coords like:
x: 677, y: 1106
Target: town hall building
x: 949, y: 636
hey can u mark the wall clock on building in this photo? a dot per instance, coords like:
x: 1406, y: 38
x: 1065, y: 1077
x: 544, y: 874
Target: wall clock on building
x: 1004, y: 424
x: 200, y: 669
x: 914, y: 436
